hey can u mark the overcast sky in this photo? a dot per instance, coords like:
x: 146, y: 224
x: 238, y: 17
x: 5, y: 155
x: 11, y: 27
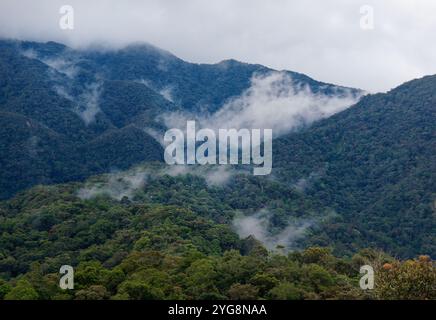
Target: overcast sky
x: 321, y: 38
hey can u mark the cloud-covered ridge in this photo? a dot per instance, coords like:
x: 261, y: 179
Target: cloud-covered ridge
x: 273, y: 101
x: 118, y: 185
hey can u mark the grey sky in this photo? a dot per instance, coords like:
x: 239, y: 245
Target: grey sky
x: 317, y: 37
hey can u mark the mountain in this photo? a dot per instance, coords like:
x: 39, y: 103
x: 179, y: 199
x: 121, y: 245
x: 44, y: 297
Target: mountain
x: 374, y: 164
x: 196, y: 87
x: 69, y: 114
x: 86, y: 185
x: 94, y: 111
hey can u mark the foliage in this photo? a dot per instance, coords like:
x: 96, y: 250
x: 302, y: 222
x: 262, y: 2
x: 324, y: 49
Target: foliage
x: 144, y: 250
x: 373, y: 164
x: 410, y: 280
x: 364, y: 178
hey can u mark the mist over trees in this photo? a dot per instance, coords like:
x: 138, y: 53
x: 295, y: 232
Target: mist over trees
x: 83, y: 181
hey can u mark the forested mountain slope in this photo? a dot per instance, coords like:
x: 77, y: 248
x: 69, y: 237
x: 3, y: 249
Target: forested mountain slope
x: 173, y: 238
x: 364, y: 177
x: 375, y: 164
x: 100, y: 106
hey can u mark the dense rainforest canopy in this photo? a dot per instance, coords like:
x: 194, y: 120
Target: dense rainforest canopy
x: 83, y: 183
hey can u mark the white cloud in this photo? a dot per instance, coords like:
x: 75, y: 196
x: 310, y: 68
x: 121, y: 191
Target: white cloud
x: 273, y: 101
x: 88, y: 106
x: 87, y: 102
x: 258, y: 224
x: 320, y: 38
x: 213, y: 175
x: 117, y: 185
x: 126, y: 183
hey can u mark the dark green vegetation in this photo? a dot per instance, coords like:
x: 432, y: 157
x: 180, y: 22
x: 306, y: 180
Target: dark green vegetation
x: 375, y: 165
x: 168, y: 243
x: 363, y: 178
x: 43, y: 138
x: 67, y: 114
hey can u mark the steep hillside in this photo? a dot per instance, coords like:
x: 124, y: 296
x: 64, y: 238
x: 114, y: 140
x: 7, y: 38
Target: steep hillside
x: 102, y: 105
x: 70, y: 114
x: 62, y: 122
x: 196, y: 87
x: 375, y: 165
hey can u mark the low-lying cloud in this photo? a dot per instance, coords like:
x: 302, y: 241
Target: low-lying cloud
x: 214, y: 175
x: 122, y: 184
x: 258, y: 226
x: 273, y: 101
x: 86, y: 101
x: 65, y: 66
x: 321, y: 38
x: 117, y: 186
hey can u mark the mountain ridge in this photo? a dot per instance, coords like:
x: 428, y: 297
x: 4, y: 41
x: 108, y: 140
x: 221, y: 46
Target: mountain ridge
x: 82, y: 94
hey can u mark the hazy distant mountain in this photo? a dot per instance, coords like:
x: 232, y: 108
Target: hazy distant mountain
x: 93, y: 111
x: 198, y: 87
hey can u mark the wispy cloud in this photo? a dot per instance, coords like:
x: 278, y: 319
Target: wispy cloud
x: 64, y: 65
x: 273, y: 101
x: 258, y: 226
x: 118, y: 185
x: 214, y: 175
x: 125, y: 183
x: 85, y: 98
x: 88, y: 102
x: 320, y: 38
